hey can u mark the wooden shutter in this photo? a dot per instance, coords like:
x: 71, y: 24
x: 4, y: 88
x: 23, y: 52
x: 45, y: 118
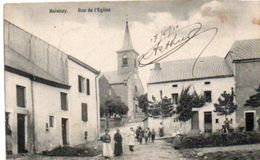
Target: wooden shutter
x: 63, y: 99
x: 84, y: 111
x: 20, y: 96
x: 88, y: 86
x: 79, y: 84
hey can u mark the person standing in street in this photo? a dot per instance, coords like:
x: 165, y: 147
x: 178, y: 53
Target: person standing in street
x: 131, y: 136
x: 161, y: 133
x: 149, y: 135
x: 118, y: 150
x: 141, y: 135
x: 107, y: 148
x: 153, y: 135
x: 146, y: 135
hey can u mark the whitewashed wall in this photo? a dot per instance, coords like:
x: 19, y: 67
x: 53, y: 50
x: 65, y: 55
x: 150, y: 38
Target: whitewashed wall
x: 11, y: 80
x: 216, y: 86
x: 47, y: 103
x: 77, y: 126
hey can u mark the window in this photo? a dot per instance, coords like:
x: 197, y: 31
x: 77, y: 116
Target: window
x: 175, y: 85
x: 161, y: 93
x: 207, y: 82
x: 216, y: 120
x: 86, y: 134
x: 135, y: 63
x: 125, y: 61
x: 63, y: 99
x: 88, y: 86
x: 84, y: 112
x: 81, y: 83
x: 207, y: 95
x: 51, y: 121
x: 136, y: 89
x: 7, y: 118
x: 175, y: 98
x: 20, y: 96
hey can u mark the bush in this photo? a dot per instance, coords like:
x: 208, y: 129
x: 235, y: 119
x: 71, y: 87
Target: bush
x: 71, y: 151
x: 216, y: 139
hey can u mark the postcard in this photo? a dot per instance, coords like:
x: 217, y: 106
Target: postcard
x: 132, y: 80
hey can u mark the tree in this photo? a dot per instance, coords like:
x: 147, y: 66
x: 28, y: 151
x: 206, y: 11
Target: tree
x: 113, y: 106
x: 225, y: 105
x: 143, y: 103
x: 188, y: 101
x: 254, y: 100
x: 166, y: 107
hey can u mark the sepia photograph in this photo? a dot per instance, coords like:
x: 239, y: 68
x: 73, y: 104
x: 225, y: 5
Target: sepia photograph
x: 129, y: 80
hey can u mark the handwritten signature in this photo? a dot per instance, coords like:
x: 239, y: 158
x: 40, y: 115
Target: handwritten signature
x: 171, y: 40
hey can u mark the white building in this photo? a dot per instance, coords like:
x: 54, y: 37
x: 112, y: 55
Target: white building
x: 51, y: 98
x: 211, y: 77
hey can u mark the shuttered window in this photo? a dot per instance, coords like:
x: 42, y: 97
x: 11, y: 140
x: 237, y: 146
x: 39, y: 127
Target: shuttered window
x: 51, y: 121
x: 207, y: 95
x: 64, y: 102
x: 20, y: 96
x: 81, y: 84
x: 88, y: 86
x: 84, y: 111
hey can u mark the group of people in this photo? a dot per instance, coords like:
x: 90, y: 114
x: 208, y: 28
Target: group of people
x: 139, y: 134
x: 118, y: 139
x: 146, y: 134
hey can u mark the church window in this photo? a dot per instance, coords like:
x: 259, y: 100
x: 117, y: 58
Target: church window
x: 125, y: 61
x: 135, y: 63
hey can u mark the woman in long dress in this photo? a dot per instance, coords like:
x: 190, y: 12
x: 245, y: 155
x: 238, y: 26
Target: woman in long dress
x: 118, y: 150
x: 131, y: 139
x: 107, y: 148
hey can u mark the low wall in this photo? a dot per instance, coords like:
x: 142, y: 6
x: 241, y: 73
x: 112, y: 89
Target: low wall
x: 170, y: 125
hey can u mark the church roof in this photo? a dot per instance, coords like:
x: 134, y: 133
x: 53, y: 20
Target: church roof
x: 181, y: 70
x: 114, y: 77
x: 127, y: 42
x: 245, y: 49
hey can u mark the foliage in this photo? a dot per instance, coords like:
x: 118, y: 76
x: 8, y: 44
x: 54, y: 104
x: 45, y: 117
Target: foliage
x: 254, y: 100
x: 166, y: 106
x: 72, y: 151
x: 225, y: 105
x: 216, y: 139
x: 143, y: 103
x: 188, y: 101
x: 114, y: 106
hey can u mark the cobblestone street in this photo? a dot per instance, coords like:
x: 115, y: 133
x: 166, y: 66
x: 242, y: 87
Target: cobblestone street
x: 159, y: 150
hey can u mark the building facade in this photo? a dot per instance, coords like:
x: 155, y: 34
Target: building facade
x: 244, y: 60
x: 125, y: 81
x: 51, y: 98
x: 211, y: 77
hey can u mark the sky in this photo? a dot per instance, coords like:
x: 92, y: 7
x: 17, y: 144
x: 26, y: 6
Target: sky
x: 95, y: 37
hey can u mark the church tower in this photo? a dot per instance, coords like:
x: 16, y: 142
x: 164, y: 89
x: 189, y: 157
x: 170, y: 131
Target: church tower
x: 127, y: 56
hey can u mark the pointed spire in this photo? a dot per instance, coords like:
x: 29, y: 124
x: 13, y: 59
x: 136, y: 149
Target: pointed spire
x: 127, y: 43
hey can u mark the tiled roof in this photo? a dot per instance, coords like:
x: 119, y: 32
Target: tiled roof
x: 19, y: 62
x: 180, y: 70
x: 245, y: 49
x: 114, y: 77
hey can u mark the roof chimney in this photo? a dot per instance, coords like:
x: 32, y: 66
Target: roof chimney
x: 157, y: 66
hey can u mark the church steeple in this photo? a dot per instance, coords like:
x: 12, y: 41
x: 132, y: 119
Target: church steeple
x: 127, y: 43
x: 127, y: 56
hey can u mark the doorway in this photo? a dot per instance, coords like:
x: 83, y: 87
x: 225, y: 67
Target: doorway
x: 250, y: 121
x: 195, y: 120
x: 208, y: 122
x: 21, y: 133
x: 64, y: 124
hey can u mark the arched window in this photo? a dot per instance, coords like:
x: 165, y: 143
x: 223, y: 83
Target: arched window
x: 125, y: 61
